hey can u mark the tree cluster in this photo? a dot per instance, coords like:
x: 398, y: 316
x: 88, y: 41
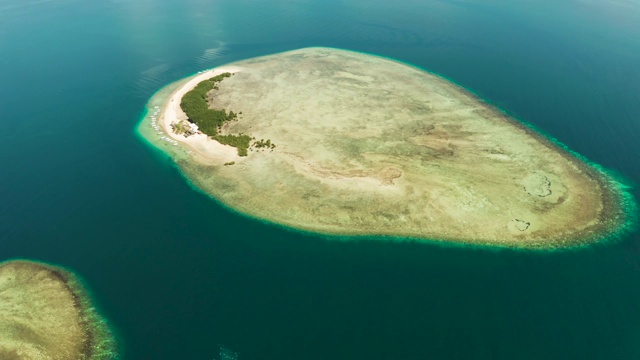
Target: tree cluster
x: 239, y: 141
x: 209, y: 121
x: 262, y: 143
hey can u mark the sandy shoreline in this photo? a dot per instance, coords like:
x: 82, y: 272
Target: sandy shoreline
x: 204, y: 149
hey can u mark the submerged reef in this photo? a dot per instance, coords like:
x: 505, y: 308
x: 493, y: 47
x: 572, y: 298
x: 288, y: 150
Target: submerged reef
x: 371, y: 146
x: 46, y: 314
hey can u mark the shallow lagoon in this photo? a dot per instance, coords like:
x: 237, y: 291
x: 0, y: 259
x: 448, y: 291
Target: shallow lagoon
x: 79, y: 189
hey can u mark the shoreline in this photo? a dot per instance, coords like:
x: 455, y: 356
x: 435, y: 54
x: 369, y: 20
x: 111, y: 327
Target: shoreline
x: 101, y: 342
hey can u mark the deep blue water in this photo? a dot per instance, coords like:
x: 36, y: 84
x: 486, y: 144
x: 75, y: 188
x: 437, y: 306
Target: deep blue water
x: 179, y: 277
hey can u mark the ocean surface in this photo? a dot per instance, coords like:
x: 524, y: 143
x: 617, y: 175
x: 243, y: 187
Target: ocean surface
x: 180, y: 277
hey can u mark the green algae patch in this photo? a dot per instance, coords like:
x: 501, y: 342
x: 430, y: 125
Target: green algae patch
x: 371, y: 146
x: 45, y: 313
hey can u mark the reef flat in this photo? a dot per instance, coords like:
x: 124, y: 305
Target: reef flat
x: 363, y: 145
x: 45, y: 314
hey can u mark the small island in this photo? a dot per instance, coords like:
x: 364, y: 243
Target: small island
x: 345, y: 143
x: 46, y: 314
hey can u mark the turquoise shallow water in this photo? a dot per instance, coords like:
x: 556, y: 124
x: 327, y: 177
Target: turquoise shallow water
x: 179, y: 277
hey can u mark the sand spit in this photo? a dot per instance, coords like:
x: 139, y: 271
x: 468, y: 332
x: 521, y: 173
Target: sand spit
x: 370, y: 146
x: 45, y: 314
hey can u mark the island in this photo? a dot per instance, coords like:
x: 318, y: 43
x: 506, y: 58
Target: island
x: 46, y: 314
x: 339, y: 142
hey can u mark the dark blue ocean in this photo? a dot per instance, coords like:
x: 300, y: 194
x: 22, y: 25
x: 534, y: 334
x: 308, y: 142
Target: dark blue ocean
x: 180, y: 277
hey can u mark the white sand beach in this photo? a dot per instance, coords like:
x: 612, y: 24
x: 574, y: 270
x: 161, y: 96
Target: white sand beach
x: 205, y: 150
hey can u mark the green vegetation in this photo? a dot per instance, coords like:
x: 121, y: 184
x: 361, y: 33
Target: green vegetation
x: 182, y: 127
x: 239, y: 141
x: 229, y: 163
x: 264, y: 144
x: 209, y: 121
